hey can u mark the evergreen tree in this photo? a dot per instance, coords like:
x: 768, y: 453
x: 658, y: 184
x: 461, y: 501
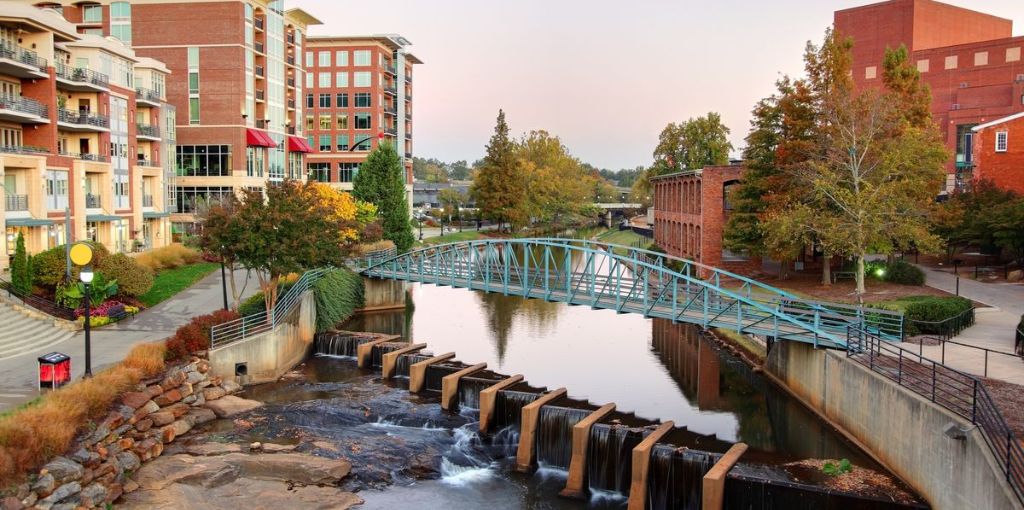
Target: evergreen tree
x: 381, y: 181
x: 21, y: 276
x: 499, y: 186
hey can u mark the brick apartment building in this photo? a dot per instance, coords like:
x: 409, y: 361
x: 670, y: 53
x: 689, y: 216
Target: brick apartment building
x: 999, y: 152
x: 690, y: 211
x: 85, y: 131
x: 236, y: 81
x: 970, y: 60
x: 358, y: 93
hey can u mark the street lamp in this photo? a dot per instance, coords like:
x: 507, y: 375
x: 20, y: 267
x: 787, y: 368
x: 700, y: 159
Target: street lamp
x: 420, y: 222
x: 223, y: 279
x: 87, y: 275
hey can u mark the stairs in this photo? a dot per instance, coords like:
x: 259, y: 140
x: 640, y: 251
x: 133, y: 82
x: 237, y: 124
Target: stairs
x: 21, y: 333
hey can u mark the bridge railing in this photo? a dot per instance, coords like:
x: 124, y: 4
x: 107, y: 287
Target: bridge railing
x: 963, y: 394
x: 262, y: 322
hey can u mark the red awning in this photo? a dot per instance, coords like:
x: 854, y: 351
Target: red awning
x: 258, y: 138
x: 297, y: 144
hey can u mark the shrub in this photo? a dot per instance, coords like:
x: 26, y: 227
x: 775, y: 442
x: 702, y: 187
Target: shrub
x: 195, y: 336
x: 904, y: 273
x: 132, y: 279
x: 21, y: 272
x: 380, y: 245
x: 920, y: 310
x: 372, y: 232
x: 338, y: 294
x: 168, y: 257
x: 254, y: 304
x: 48, y: 268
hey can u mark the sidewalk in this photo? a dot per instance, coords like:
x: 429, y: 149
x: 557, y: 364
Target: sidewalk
x: 18, y: 375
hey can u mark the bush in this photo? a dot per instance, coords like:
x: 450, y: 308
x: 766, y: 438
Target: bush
x: 132, y: 278
x: 195, y: 336
x: 168, y: 257
x: 21, y: 270
x: 338, y: 294
x: 48, y: 268
x: 904, y: 273
x: 254, y: 304
x: 930, y: 309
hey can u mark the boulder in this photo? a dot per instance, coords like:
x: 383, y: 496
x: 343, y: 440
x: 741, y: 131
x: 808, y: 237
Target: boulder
x: 1015, y: 276
x: 144, y: 425
x: 162, y: 418
x: 200, y: 416
x: 242, y: 493
x: 169, y: 397
x: 154, y: 390
x: 44, y: 485
x: 147, y: 409
x: 195, y: 378
x: 185, y: 390
x: 205, y: 449
x: 231, y: 387
x: 214, y: 393
x: 134, y: 399
x: 129, y: 461
x: 178, y: 410
x: 63, y: 492
x: 94, y: 495
x: 11, y: 503
x: 63, y: 469
x: 174, y: 379
x: 231, y: 405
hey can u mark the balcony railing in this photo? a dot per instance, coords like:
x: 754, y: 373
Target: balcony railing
x: 291, y: 82
x: 147, y: 200
x: 145, y: 162
x: 86, y: 157
x: 83, y: 118
x: 23, y: 149
x: 22, y: 55
x: 390, y: 89
x: 258, y: 22
x: 144, y: 94
x: 81, y: 75
x: 261, y: 95
x: 147, y: 130
x: 291, y: 104
x: 408, y: 115
x: 408, y: 135
x: 290, y: 59
x: 259, y: 71
x: 391, y: 131
x: 16, y: 202
x: 393, y: 110
x: 408, y: 78
x: 388, y: 68
x: 93, y: 201
x: 258, y: 46
x: 291, y: 38
x: 262, y: 123
x: 24, y: 105
x: 408, y: 155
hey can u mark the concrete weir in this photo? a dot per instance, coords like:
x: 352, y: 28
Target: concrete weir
x: 580, y: 440
x: 528, y: 428
x: 418, y: 371
x: 390, y: 359
x: 488, y: 397
x: 641, y: 463
x: 450, y: 385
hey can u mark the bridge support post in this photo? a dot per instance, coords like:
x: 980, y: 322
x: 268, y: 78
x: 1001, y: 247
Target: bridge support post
x: 450, y: 385
x: 363, y: 350
x: 390, y: 359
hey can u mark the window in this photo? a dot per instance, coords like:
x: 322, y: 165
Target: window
x: 309, y: 123
x: 325, y: 143
x: 965, y: 145
x: 193, y: 110
x: 325, y: 122
x: 325, y: 101
x: 362, y: 79
x: 363, y: 100
x: 981, y: 58
x: 342, y: 100
x: 319, y: 172
x: 1013, y: 54
x: 342, y: 121
x: 189, y: 196
x: 342, y: 143
x: 361, y: 57
x: 204, y: 160
x: 193, y: 57
x: 255, y: 158
x: 193, y: 83
x: 324, y: 80
x: 93, y: 14
x: 363, y: 142
x: 363, y: 121
x: 347, y: 171
x: 309, y: 80
x: 923, y: 65
x: 309, y: 59
x: 341, y: 58
x: 324, y: 59
x: 870, y: 72
x: 56, y: 190
x: 1002, y: 140
x: 122, y: 32
x: 341, y: 79
x: 951, y: 62
x: 309, y: 100
x: 120, y: 10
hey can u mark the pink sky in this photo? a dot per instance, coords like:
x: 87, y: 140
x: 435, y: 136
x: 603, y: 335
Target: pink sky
x: 604, y: 76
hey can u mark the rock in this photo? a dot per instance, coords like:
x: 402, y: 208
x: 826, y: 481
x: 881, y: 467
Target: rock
x: 200, y: 416
x: 168, y: 398
x: 63, y: 492
x: 144, y: 425
x: 1015, y: 276
x: 11, y: 503
x: 126, y: 443
x: 94, y: 495
x: 30, y: 500
x: 195, y: 377
x: 134, y: 399
x: 231, y: 387
x: 147, y: 409
x: 205, y: 449
x: 214, y: 393
x: 231, y: 405
x: 129, y: 461
x: 154, y: 390
x: 293, y: 467
x: 65, y: 506
x: 86, y: 457
x: 178, y: 410
x: 203, y: 367
x: 242, y: 493
x: 185, y: 390
x: 200, y: 400
x: 63, y: 469
x: 278, y: 448
x: 181, y: 427
x: 162, y: 418
x: 255, y: 446
x: 191, y: 399
x: 174, y: 379
x: 130, y: 487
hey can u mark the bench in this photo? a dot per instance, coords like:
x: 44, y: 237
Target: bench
x: 840, y: 275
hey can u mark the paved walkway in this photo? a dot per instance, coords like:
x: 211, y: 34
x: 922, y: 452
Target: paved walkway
x: 994, y: 328
x: 18, y: 375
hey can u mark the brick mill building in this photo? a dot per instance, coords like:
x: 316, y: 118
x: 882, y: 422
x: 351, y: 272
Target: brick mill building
x: 999, y: 152
x: 85, y: 131
x: 970, y: 60
x: 358, y: 93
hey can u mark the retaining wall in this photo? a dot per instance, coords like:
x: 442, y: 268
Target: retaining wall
x: 269, y: 355
x: 903, y: 430
x: 383, y: 294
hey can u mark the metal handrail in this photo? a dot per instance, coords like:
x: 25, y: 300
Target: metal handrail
x: 24, y: 105
x: 82, y: 75
x: 93, y: 201
x: 946, y: 328
x: 262, y: 322
x: 83, y: 118
x: 22, y: 55
x: 39, y: 303
x: 149, y: 130
x: 957, y: 391
x: 24, y: 149
x: 142, y: 93
x: 16, y: 202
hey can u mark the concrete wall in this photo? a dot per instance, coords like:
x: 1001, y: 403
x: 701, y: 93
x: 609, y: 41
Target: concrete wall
x: 383, y: 294
x: 902, y: 430
x: 271, y: 354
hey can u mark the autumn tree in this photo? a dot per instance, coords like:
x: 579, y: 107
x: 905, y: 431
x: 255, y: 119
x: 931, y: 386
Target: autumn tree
x: 220, y: 235
x: 558, y: 188
x: 498, y: 187
x: 452, y: 200
x: 381, y: 181
x: 693, y: 144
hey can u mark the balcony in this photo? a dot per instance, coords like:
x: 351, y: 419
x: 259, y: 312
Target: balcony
x: 263, y: 123
x: 291, y: 104
x: 291, y: 83
x: 391, y: 110
x: 258, y: 46
x: 258, y: 23
x: 23, y: 110
x: 408, y: 135
x: 261, y: 95
x: 21, y: 63
x: 93, y: 201
x: 82, y: 121
x: 24, y: 149
x: 408, y: 95
x: 391, y: 131
x: 408, y: 114
x: 259, y: 71
x: 100, y: 158
x: 147, y: 132
x: 388, y: 68
x: 408, y: 155
x: 390, y: 89
x: 81, y: 80
x: 290, y: 38
x: 147, y: 96
x: 290, y: 59
x: 16, y: 203
x: 146, y: 162
x: 147, y: 200
x: 408, y: 78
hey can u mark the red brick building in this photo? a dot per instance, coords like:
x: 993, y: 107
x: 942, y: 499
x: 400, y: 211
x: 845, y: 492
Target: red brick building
x: 999, y: 152
x: 358, y: 93
x: 690, y: 212
x: 970, y: 60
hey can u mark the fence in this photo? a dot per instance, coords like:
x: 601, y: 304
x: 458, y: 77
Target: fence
x: 262, y: 322
x: 38, y: 303
x: 944, y: 332
x: 956, y: 391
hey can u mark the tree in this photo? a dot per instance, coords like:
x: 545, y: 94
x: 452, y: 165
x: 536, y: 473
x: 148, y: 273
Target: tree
x: 498, y: 187
x: 21, y: 271
x: 381, y: 181
x: 220, y: 235
x: 288, y: 231
x: 694, y: 144
x: 452, y: 200
x: 558, y: 188
x: 460, y: 171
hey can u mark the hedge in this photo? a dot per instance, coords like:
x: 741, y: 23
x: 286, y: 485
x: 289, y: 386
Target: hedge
x: 931, y: 309
x: 132, y: 278
x: 338, y: 294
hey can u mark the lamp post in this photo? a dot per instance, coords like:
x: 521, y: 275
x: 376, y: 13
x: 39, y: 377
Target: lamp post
x: 223, y: 279
x: 86, y: 275
x: 420, y: 222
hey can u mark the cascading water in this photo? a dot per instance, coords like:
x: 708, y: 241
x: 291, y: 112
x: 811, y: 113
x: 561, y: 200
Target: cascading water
x: 379, y: 350
x: 609, y: 456
x: 469, y: 391
x: 508, y: 407
x: 554, y: 435
x: 405, y: 361
x: 339, y: 344
x: 466, y: 461
x: 676, y: 477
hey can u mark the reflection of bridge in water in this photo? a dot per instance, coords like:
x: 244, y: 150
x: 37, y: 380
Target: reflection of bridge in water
x: 633, y: 280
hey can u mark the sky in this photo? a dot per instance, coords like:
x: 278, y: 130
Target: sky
x: 604, y: 76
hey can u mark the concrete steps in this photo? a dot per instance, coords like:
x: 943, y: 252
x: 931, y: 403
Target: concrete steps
x: 21, y: 333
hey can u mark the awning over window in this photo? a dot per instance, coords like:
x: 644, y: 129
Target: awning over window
x: 99, y: 218
x: 258, y: 138
x: 28, y: 222
x: 155, y: 215
x: 297, y: 144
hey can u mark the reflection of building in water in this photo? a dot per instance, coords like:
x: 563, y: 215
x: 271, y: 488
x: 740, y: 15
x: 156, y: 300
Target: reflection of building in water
x: 692, y: 363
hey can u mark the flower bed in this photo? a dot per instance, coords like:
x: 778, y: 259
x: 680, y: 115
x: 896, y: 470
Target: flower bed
x: 107, y: 313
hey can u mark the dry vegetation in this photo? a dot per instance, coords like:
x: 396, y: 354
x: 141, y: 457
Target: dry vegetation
x: 31, y: 435
x: 862, y: 481
x: 168, y: 257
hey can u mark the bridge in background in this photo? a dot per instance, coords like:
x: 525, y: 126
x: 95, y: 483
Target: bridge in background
x: 633, y: 280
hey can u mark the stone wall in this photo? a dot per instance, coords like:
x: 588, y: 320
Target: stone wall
x: 901, y: 429
x: 97, y: 470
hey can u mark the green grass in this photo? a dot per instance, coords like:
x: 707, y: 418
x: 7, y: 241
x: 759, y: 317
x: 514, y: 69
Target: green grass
x: 452, y: 238
x: 624, y: 238
x: 172, y: 281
